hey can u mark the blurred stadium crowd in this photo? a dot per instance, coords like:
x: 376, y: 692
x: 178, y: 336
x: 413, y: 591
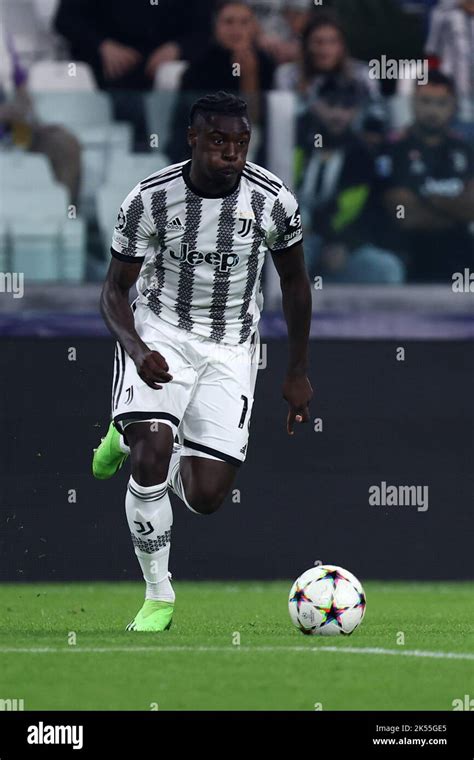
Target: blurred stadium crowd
x: 95, y: 95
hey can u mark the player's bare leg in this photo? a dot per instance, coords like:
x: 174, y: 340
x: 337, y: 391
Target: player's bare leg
x: 207, y: 481
x: 201, y: 483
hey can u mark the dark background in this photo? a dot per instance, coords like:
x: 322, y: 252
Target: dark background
x: 301, y: 499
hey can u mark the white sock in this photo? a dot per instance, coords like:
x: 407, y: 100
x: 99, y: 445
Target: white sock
x: 175, y: 481
x: 150, y: 518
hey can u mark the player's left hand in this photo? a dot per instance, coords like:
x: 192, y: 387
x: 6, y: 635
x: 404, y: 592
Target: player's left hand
x: 297, y: 391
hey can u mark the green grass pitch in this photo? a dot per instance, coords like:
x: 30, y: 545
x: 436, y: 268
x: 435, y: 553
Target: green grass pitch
x: 197, y: 664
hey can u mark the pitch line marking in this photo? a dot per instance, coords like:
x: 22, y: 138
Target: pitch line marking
x: 256, y: 649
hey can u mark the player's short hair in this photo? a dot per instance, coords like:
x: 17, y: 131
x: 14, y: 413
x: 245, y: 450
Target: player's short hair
x: 218, y: 102
x: 437, y: 77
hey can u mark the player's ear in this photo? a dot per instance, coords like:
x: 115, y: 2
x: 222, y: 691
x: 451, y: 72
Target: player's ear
x: 192, y: 137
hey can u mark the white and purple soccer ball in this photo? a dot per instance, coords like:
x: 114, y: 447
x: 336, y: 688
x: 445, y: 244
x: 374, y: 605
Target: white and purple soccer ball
x: 327, y: 601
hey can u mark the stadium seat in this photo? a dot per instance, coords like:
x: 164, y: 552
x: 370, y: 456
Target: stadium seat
x: 31, y: 206
x: 45, y: 11
x: 20, y: 170
x: 31, y: 39
x: 35, y: 250
x: 115, y: 137
x: 281, y: 125
x: 109, y: 200
x: 281, y: 75
x: 72, y: 253
x: 134, y: 166
x: 89, y: 116
x: 159, y: 108
x: 4, y: 266
x: 168, y: 75
x: 61, y: 76
x: 73, y: 109
x: 100, y: 144
x: 45, y: 244
x: 280, y: 137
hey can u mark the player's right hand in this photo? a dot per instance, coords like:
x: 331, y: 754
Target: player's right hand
x: 153, y: 368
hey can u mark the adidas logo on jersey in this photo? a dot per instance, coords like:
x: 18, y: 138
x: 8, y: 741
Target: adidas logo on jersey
x: 175, y: 224
x: 224, y: 261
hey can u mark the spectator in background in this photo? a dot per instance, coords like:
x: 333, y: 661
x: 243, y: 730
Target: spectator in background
x: 427, y: 181
x: 451, y: 40
x: 335, y: 191
x: 125, y: 42
x: 379, y: 27
x: 21, y: 128
x: 231, y: 62
x: 325, y: 54
x: 281, y: 30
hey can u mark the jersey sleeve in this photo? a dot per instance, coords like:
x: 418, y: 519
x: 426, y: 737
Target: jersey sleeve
x: 284, y: 230
x: 133, y: 229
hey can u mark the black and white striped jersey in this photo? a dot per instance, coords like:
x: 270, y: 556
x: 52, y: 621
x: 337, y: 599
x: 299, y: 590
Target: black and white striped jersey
x: 203, y: 256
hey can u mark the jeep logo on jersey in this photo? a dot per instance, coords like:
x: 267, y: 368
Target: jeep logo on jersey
x: 224, y: 261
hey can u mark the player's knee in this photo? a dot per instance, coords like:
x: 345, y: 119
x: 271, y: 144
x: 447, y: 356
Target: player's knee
x: 206, y: 500
x: 149, y: 465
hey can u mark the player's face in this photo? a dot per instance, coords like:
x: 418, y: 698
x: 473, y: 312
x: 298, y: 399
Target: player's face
x: 326, y: 48
x: 434, y: 108
x: 220, y: 145
x: 235, y: 27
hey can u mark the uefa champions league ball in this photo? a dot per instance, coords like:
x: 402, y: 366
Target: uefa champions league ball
x: 327, y: 601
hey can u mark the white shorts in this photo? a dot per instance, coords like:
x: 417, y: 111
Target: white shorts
x: 208, y: 404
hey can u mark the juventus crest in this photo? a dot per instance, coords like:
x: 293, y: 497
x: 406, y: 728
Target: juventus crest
x: 245, y: 227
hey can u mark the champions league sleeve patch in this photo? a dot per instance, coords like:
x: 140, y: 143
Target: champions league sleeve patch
x: 133, y: 229
x: 121, y: 220
x: 120, y: 241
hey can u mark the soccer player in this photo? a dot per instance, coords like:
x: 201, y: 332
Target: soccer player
x: 194, y: 237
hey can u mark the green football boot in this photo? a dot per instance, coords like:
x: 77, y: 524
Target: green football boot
x: 108, y: 456
x: 153, y: 616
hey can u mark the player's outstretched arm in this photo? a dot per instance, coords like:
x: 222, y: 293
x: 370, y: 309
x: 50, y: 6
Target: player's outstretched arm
x: 118, y: 316
x: 297, y: 307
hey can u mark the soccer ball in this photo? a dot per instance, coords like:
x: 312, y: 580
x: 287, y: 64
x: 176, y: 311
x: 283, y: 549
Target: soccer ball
x: 327, y: 601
